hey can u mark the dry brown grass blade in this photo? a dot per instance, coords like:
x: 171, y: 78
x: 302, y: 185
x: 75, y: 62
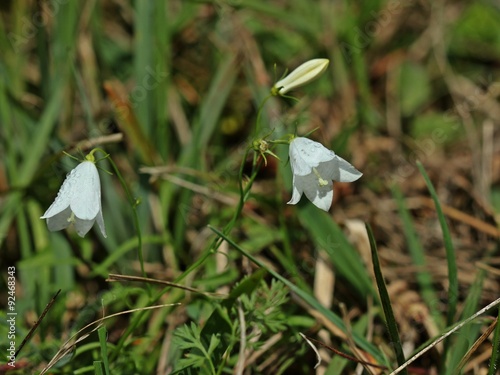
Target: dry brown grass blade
x: 240, y: 365
x: 309, y: 342
x: 87, y: 144
x: 475, y: 346
x: 444, y: 336
x: 68, y: 345
x: 324, y: 287
x: 37, y: 323
x: 128, y: 122
x: 263, y: 349
x: 458, y: 215
x: 114, y: 277
x: 363, y: 358
x: 227, y: 199
x: 344, y: 355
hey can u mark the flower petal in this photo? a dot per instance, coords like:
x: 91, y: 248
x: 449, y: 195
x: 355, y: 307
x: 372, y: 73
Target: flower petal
x: 338, y: 170
x: 82, y: 227
x: 63, y: 197
x: 320, y: 196
x: 297, y: 193
x: 100, y: 222
x: 306, y: 154
x: 301, y: 75
x: 347, y: 172
x: 59, y: 221
x: 86, y: 201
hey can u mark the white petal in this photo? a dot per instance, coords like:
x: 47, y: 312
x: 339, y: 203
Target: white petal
x: 347, y: 172
x: 296, y: 195
x: 301, y: 75
x: 338, y: 170
x: 63, y: 197
x: 324, y: 201
x: 83, y: 226
x: 59, y: 221
x: 86, y: 201
x: 100, y: 222
x: 320, y: 196
x: 306, y: 154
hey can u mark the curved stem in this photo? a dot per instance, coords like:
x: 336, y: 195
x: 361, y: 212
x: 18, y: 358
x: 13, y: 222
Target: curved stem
x: 259, y: 112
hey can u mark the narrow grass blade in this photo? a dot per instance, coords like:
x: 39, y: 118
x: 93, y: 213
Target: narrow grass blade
x: 386, y: 302
x: 461, y: 344
x: 203, y: 129
x: 31, y: 162
x: 98, y: 368
x: 473, y: 350
x: 143, y: 60
x: 357, y: 61
x: 326, y: 234
x: 104, y: 348
x: 424, y: 278
x: 495, y: 354
x: 450, y: 251
x: 216, y: 98
x: 128, y: 119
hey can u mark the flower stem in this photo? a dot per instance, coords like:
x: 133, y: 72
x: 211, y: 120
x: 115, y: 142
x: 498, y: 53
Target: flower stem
x: 133, y: 203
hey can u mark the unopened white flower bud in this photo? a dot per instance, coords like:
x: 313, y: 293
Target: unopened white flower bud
x: 305, y: 73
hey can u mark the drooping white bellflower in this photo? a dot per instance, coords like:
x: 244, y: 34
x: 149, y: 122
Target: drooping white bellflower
x: 303, y: 74
x: 78, y: 201
x: 314, y: 168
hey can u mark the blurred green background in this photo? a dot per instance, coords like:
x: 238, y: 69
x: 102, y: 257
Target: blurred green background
x: 172, y: 91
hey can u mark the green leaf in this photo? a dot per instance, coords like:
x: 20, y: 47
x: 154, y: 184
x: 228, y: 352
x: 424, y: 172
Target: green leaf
x: 263, y: 306
x: 417, y: 254
x: 247, y: 286
x: 326, y: 234
x: 450, y: 250
x: 199, y: 355
x: 392, y: 325
x: 103, y: 333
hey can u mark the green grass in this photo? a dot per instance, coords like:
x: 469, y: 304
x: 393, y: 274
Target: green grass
x: 176, y: 93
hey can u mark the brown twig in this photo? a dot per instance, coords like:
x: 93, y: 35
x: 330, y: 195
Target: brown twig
x: 346, y: 356
x: 37, y: 323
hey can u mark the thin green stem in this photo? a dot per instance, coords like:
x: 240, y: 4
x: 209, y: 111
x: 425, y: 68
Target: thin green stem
x: 495, y: 353
x: 259, y: 113
x: 133, y: 203
x: 450, y: 251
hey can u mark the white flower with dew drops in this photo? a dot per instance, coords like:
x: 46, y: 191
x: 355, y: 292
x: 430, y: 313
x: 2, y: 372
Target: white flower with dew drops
x: 78, y: 201
x: 314, y: 168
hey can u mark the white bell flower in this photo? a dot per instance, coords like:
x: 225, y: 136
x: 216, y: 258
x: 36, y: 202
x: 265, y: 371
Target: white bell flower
x: 303, y: 74
x: 314, y: 167
x: 78, y: 201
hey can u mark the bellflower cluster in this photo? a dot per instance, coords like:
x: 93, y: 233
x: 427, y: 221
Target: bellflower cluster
x: 314, y: 167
